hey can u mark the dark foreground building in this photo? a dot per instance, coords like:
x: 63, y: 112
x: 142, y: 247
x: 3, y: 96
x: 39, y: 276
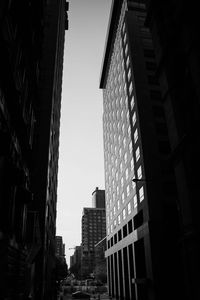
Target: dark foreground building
x: 175, y: 29
x: 143, y: 229
x: 31, y: 60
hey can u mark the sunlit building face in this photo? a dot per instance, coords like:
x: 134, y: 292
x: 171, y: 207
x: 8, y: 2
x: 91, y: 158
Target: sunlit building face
x: 122, y: 151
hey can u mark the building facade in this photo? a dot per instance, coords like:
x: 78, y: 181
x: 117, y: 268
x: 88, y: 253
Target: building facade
x: 31, y: 59
x: 141, y: 197
x: 59, y: 247
x: 93, y: 230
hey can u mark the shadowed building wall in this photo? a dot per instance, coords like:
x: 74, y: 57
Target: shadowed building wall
x: 175, y: 31
x: 31, y: 59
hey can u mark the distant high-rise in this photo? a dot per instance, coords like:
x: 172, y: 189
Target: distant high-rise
x: 98, y: 198
x: 141, y: 210
x: 93, y: 231
x: 31, y: 62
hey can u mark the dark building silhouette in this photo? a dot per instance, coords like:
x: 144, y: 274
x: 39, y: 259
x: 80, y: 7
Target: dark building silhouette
x: 31, y: 61
x: 143, y: 230
x: 175, y: 30
x: 75, y: 262
x: 93, y: 231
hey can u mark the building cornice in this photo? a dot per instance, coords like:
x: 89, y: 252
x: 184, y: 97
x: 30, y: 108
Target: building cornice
x: 110, y: 38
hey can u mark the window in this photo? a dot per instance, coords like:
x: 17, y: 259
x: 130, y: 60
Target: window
x: 117, y: 190
x: 124, y: 214
x: 137, y: 153
x: 118, y: 204
x: 129, y: 208
x: 120, y: 152
x: 129, y: 74
x: 126, y: 49
x: 123, y: 128
x: 127, y: 116
x: 128, y: 190
x: 123, y: 28
x: 130, y: 146
x: 125, y: 157
x: 113, y: 196
x: 124, y: 142
x: 127, y: 174
x: 130, y: 88
x: 122, y: 182
x: 119, y: 219
x: 125, y: 88
x: 135, y: 201
x: 111, y: 228
x: 119, y: 139
x: 141, y: 193
x: 139, y: 172
x: 111, y: 215
x: 125, y: 38
x: 123, y: 198
x: 135, y: 136
x: 134, y: 118
x: 132, y: 102
x: 114, y: 210
x: 132, y: 164
x: 127, y: 61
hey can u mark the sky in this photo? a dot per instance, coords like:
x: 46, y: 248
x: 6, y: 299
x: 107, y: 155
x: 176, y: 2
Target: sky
x: 81, y: 158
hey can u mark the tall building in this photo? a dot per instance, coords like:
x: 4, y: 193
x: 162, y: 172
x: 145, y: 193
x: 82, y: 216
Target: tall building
x: 93, y: 231
x: 143, y: 260
x: 59, y: 247
x: 177, y: 53
x: 31, y: 59
x: 98, y: 198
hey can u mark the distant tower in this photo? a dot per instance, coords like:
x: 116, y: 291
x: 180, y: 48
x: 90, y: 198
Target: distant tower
x: 98, y: 198
x: 93, y: 231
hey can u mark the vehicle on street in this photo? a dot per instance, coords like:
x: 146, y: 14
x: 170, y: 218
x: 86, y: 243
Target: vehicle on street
x: 80, y: 295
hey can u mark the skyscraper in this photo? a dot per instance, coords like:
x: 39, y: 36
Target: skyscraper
x: 141, y: 210
x: 31, y: 59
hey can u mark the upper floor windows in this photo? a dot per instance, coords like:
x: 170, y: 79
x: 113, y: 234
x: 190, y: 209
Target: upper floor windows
x: 137, y: 153
x: 124, y: 214
x: 135, y: 136
x: 134, y: 118
x: 126, y: 49
x: 141, y: 193
x: 129, y: 208
x: 139, y: 172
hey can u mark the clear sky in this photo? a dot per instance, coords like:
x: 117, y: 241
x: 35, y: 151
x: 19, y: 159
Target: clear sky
x: 81, y: 160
